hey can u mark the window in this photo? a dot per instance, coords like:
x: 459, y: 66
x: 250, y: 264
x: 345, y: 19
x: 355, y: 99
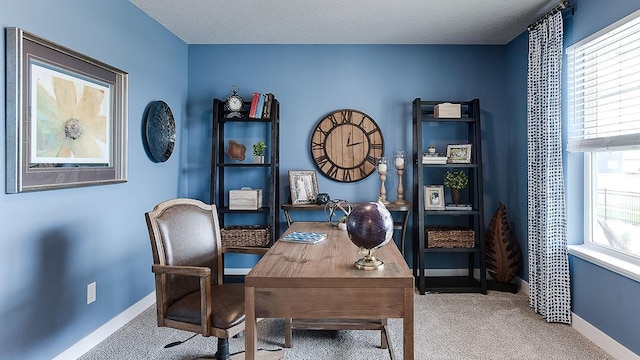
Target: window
x: 604, y: 124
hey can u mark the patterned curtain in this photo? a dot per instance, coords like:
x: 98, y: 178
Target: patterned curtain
x: 550, y: 293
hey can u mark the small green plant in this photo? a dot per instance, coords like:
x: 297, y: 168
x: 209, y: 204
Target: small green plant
x: 258, y: 148
x: 456, y: 179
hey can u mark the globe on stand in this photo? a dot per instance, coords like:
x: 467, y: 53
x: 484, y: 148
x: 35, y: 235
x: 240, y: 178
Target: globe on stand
x: 370, y: 226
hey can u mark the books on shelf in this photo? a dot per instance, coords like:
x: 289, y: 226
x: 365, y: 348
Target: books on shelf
x: 304, y: 237
x: 268, y: 100
x: 459, y: 207
x: 261, y: 106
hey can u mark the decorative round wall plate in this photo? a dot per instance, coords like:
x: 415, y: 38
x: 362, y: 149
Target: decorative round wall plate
x: 160, y: 131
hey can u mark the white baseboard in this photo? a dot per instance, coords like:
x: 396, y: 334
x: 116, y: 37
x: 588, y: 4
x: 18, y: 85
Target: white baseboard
x: 601, y: 339
x: 236, y: 271
x: 104, y: 331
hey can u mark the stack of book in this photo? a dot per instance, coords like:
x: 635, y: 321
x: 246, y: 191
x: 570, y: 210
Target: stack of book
x: 459, y: 207
x: 304, y: 237
x: 261, y: 106
x: 434, y: 158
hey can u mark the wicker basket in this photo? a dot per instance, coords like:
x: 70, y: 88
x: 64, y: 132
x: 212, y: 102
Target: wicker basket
x: 246, y: 235
x: 449, y: 237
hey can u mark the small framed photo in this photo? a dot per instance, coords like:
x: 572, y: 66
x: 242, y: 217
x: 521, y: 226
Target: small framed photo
x: 459, y: 154
x: 434, y: 197
x: 304, y: 186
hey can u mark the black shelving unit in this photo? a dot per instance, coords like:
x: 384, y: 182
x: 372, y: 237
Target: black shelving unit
x: 221, y: 166
x: 467, y: 128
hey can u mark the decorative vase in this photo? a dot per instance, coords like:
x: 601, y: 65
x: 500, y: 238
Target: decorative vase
x: 258, y: 159
x: 455, y: 196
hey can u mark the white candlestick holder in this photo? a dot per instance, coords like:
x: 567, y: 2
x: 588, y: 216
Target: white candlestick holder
x: 400, y: 163
x: 383, y: 167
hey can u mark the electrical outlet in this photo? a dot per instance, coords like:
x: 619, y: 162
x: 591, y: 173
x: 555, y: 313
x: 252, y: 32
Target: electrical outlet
x: 91, y: 293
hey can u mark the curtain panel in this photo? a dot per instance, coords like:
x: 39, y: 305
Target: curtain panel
x: 549, y: 280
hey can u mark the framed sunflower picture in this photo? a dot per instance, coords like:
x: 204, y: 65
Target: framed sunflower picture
x: 66, y: 117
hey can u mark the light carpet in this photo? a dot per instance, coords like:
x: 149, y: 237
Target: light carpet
x: 447, y: 326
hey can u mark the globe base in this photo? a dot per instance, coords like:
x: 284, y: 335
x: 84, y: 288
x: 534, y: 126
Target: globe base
x: 369, y: 262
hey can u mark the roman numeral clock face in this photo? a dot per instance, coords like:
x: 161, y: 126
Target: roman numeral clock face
x: 346, y: 144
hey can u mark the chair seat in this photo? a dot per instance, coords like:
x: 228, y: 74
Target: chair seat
x: 227, y: 306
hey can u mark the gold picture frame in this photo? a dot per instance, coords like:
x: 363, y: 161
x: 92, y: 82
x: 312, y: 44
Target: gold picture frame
x: 66, y: 117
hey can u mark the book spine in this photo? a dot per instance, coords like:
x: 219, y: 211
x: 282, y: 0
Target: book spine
x: 260, y: 107
x: 266, y: 113
x: 254, y: 104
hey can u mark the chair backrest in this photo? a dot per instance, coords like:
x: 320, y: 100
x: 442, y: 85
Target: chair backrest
x: 185, y: 232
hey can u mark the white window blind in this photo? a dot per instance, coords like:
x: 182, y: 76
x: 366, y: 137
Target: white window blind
x: 604, y: 89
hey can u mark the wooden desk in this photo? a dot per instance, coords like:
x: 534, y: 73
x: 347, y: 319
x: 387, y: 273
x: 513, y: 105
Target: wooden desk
x: 320, y: 281
x: 405, y: 209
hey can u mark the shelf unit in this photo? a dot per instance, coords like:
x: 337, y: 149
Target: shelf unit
x: 464, y: 130
x: 222, y: 166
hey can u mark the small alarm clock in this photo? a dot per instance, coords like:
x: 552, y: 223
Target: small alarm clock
x: 234, y: 103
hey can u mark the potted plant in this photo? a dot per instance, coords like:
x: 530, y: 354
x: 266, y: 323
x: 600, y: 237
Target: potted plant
x: 431, y: 149
x: 456, y: 180
x: 258, y: 152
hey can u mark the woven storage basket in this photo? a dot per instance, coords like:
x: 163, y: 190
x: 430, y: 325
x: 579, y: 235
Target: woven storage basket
x: 245, y: 235
x: 449, y: 237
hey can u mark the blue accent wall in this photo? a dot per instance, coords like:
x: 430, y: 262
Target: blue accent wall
x: 56, y: 242
x: 605, y: 299
x: 313, y: 80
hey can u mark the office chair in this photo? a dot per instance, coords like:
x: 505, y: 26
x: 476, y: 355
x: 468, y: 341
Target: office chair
x: 187, y: 263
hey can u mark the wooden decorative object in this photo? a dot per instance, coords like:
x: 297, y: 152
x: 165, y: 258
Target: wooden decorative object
x: 504, y: 257
x: 236, y: 151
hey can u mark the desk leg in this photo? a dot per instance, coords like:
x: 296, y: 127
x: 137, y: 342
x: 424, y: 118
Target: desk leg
x: 251, y: 336
x: 407, y: 325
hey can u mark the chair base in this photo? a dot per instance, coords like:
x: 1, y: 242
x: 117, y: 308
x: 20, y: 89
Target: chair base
x: 260, y: 354
x: 223, y: 349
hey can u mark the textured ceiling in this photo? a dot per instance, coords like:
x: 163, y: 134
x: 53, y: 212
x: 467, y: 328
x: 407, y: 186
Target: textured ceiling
x: 346, y: 21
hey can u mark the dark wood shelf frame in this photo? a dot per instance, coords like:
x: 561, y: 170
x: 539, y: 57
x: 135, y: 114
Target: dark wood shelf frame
x: 423, y: 113
x: 220, y: 166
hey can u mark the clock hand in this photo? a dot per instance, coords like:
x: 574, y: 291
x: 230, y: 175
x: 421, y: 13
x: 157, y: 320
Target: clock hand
x: 354, y: 144
x: 349, y: 139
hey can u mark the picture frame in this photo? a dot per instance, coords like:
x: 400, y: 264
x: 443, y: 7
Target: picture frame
x: 304, y: 186
x: 459, y: 153
x: 66, y: 117
x: 434, y: 197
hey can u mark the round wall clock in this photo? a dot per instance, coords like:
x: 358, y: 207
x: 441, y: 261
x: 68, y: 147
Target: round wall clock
x: 160, y: 131
x: 346, y: 145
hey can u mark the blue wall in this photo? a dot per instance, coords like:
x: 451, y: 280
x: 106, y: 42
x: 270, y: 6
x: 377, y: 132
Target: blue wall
x: 605, y: 299
x: 56, y: 242
x: 380, y: 80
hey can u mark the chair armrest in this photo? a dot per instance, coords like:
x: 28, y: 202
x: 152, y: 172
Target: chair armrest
x: 181, y: 270
x: 204, y: 273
